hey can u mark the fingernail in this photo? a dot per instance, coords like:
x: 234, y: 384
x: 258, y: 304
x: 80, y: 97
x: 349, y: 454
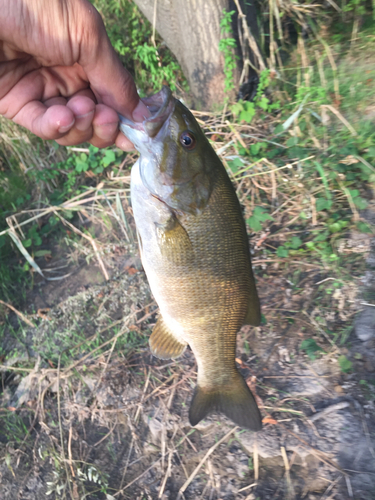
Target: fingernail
x: 62, y: 130
x: 141, y: 112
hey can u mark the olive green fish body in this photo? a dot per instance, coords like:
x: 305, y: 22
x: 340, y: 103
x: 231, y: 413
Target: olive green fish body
x: 197, y: 261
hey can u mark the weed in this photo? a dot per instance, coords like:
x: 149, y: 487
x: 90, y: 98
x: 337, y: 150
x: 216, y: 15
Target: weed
x: 87, y: 478
x: 12, y: 429
x: 290, y: 247
x: 259, y: 215
x: 227, y: 46
x: 247, y: 110
x: 311, y: 348
x: 345, y: 364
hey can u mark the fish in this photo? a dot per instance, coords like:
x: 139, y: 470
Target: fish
x: 195, y: 252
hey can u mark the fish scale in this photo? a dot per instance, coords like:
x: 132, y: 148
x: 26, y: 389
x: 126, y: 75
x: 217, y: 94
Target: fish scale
x: 194, y: 249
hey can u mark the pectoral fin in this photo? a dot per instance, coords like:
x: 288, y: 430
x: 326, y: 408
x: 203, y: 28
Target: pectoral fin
x: 174, y: 241
x: 163, y: 343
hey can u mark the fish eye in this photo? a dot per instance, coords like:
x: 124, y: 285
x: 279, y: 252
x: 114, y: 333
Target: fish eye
x: 188, y: 140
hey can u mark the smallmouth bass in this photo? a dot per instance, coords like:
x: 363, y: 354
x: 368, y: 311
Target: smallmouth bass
x: 194, y: 250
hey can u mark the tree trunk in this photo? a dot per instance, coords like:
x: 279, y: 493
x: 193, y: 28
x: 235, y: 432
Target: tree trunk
x: 191, y: 29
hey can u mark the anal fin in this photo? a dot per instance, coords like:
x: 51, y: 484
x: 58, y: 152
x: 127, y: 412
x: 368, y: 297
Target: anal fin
x: 163, y: 343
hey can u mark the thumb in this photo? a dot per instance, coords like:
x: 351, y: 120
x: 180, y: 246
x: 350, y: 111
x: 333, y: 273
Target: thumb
x: 112, y: 84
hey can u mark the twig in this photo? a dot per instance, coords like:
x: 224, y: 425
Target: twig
x: 22, y: 316
x: 90, y: 239
x: 196, y: 470
x: 351, y: 202
x: 137, y: 478
x: 319, y: 454
x: 247, y: 487
x: 154, y: 23
x: 252, y: 43
x: 61, y: 429
x: 341, y: 118
x: 291, y: 493
x: 349, y: 486
x: 127, y: 463
x: 104, y: 437
x: 329, y: 409
x: 167, y: 474
x: 70, y: 450
x: 143, y: 396
x: 256, y: 460
x: 330, y: 487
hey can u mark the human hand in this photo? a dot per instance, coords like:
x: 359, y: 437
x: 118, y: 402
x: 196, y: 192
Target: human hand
x: 59, y: 75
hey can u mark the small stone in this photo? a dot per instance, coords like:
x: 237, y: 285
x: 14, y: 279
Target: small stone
x: 339, y: 389
x: 364, y: 324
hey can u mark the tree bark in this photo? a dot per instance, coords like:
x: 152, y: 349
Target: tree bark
x: 191, y: 30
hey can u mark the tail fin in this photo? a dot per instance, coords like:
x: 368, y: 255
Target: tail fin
x: 235, y: 400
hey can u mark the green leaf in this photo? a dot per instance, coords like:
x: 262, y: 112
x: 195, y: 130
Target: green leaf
x: 42, y: 253
x: 323, y: 204
x: 311, y: 347
x: 247, y: 115
x: 353, y: 192
x: 360, y: 203
x: 363, y: 227
x: 109, y: 157
x: 27, y: 243
x: 263, y: 103
x: 254, y: 223
x: 292, y: 141
x: 320, y: 169
x: 279, y: 129
x: 295, y: 242
x: 345, y: 364
x: 255, y: 148
x: 282, y: 252
x: 335, y: 227
x: 259, y: 215
x: 237, y: 108
x: 371, y: 151
x: 235, y: 165
x: 37, y: 240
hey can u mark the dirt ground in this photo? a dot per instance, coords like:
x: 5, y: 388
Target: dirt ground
x: 96, y: 416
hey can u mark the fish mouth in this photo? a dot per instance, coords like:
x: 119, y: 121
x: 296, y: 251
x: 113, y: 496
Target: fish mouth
x: 161, y: 106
